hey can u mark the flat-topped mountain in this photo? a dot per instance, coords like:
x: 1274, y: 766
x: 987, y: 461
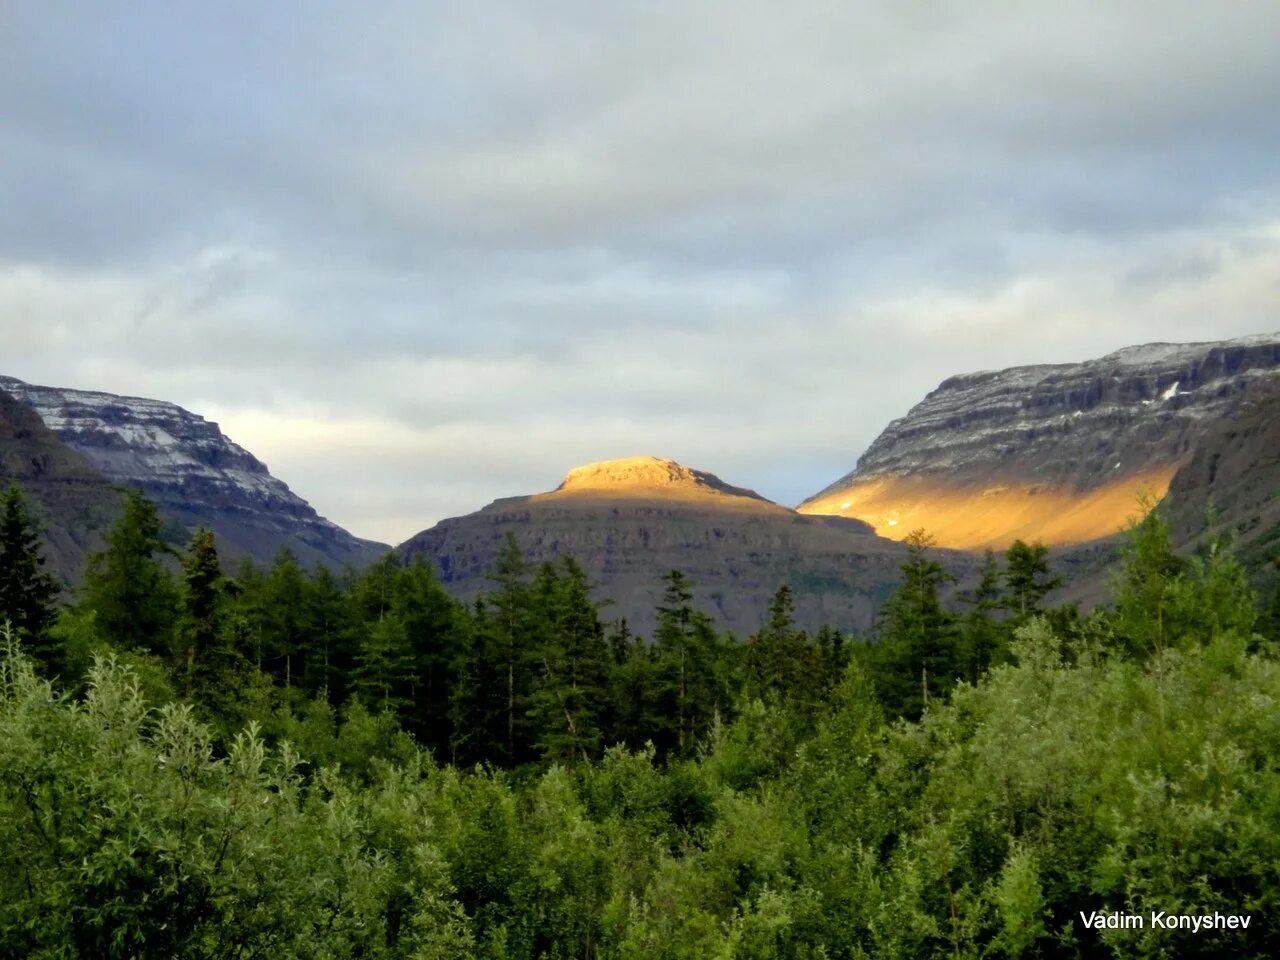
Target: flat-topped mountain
x: 195, y: 474
x: 630, y: 521
x: 1054, y: 452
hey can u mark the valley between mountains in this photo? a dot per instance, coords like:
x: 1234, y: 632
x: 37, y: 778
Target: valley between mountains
x: 1058, y: 453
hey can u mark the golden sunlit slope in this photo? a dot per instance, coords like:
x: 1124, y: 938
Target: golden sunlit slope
x: 653, y: 478
x: 1053, y: 452
x: 967, y: 517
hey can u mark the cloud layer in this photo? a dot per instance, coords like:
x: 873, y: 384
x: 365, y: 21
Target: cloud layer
x: 416, y: 260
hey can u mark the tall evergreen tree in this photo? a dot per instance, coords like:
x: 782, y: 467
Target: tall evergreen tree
x: 1213, y: 597
x: 632, y: 704
x: 409, y: 645
x: 982, y: 635
x: 780, y: 660
x: 478, y: 698
x: 833, y: 654
x: 128, y: 587
x: 331, y: 653
x: 567, y: 704
x: 242, y: 617
x: 1027, y: 577
x: 690, y: 672
x: 27, y: 590
x: 510, y: 621
x: 1146, y: 583
x: 200, y: 630
x: 916, y: 660
x: 384, y: 666
x: 283, y: 615
x: 432, y: 622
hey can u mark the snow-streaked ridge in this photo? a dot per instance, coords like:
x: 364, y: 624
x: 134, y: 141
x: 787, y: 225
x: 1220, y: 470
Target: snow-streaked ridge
x: 1056, y: 420
x: 181, y: 460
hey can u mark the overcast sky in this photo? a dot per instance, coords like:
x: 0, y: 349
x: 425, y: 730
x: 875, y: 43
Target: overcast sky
x: 417, y: 256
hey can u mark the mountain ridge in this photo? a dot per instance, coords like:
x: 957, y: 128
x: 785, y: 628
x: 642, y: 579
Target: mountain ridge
x: 196, y: 474
x: 1059, y: 450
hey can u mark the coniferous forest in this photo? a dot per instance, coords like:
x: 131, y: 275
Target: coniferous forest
x: 203, y: 760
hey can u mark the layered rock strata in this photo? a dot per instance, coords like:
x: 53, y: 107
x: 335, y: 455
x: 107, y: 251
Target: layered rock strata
x: 1058, y: 452
x: 196, y: 474
x: 630, y: 521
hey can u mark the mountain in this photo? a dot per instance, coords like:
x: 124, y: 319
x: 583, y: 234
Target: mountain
x: 1234, y: 472
x: 630, y: 521
x: 195, y: 474
x: 1236, y: 469
x: 1054, y: 452
x: 72, y: 502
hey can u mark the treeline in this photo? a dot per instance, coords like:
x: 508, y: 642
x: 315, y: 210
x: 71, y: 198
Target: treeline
x: 527, y: 673
x: 283, y: 763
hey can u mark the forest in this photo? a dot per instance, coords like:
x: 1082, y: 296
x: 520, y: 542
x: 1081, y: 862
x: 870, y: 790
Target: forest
x: 213, y: 762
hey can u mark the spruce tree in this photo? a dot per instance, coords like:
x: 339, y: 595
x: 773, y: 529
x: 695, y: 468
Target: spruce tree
x: 509, y: 604
x: 982, y: 635
x: 432, y: 625
x: 128, y: 587
x: 1147, y: 582
x: 384, y: 666
x: 632, y: 707
x: 833, y: 654
x: 410, y: 632
x: 27, y: 590
x: 331, y: 633
x: 200, y: 631
x: 916, y: 660
x: 781, y: 661
x: 243, y: 613
x: 283, y: 614
x: 571, y: 671
x: 478, y: 700
x: 1027, y: 577
x: 1213, y: 597
x: 690, y: 672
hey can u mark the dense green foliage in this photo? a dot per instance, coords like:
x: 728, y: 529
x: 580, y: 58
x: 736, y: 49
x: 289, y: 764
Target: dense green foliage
x: 287, y: 763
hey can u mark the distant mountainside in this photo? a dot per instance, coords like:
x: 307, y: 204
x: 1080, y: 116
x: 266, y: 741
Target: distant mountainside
x: 1235, y: 471
x: 1235, y: 468
x: 1055, y: 452
x: 630, y: 521
x: 195, y: 474
x: 73, y: 503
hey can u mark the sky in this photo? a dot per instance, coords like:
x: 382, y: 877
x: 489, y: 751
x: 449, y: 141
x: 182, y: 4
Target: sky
x: 416, y: 256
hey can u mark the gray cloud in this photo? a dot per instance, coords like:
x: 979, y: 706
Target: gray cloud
x: 464, y: 248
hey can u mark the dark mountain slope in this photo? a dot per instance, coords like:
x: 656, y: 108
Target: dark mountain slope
x: 72, y: 501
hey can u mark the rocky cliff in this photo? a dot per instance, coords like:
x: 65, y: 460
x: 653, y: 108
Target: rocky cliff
x: 1056, y: 452
x: 195, y: 474
x: 630, y: 521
